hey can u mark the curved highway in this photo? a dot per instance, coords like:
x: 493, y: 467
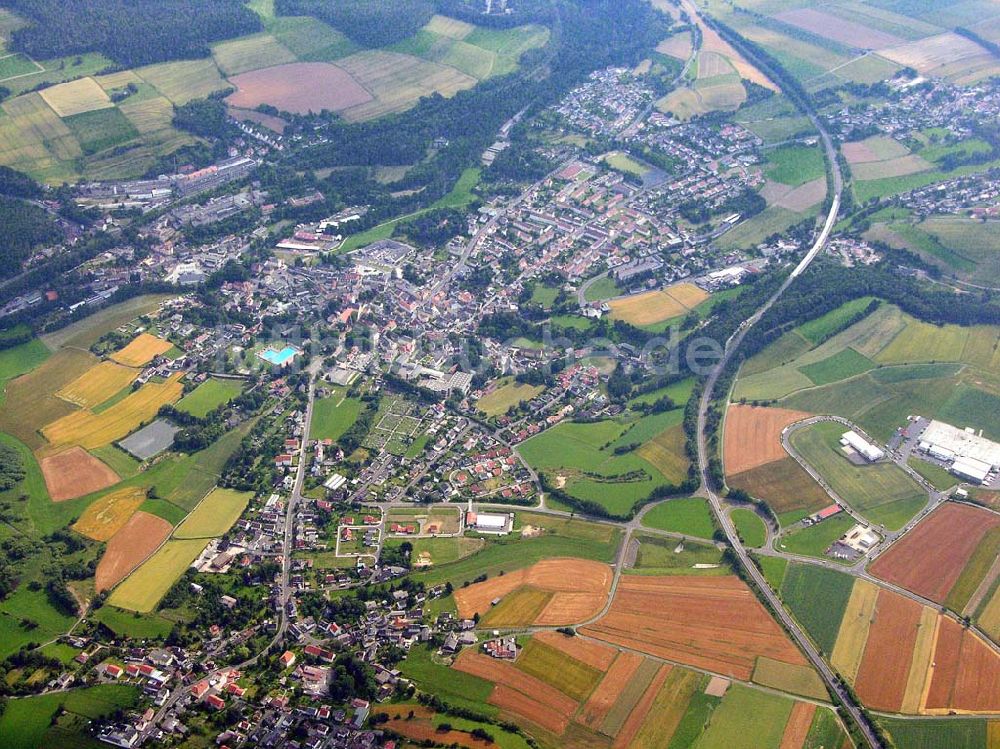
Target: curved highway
x: 732, y: 345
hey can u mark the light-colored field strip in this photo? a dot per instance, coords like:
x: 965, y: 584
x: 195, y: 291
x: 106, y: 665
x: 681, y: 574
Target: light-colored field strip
x: 850, y: 646
x: 923, y: 651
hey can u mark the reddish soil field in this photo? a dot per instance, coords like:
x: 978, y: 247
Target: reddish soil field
x: 609, y: 689
x: 930, y: 558
x: 797, y: 727
x: 422, y: 729
x: 881, y: 681
x: 966, y: 672
x: 638, y: 714
x: 839, y: 30
x: 714, y: 623
x: 129, y: 547
x: 75, y: 473
x: 753, y: 436
x: 300, y: 87
x: 592, y: 653
x: 527, y: 707
x: 542, y: 703
x: 580, y: 590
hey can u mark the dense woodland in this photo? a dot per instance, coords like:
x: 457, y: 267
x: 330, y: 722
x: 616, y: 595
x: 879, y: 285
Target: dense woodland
x: 23, y: 227
x: 130, y: 32
x: 370, y: 23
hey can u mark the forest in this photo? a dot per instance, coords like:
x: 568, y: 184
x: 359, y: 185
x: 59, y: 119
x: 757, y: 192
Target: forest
x: 23, y: 227
x: 370, y: 23
x: 133, y: 33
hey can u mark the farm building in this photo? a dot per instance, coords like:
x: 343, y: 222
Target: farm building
x: 860, y: 538
x: 854, y: 442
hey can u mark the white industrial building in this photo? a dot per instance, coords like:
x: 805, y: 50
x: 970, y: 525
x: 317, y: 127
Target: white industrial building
x: 973, y: 457
x: 853, y: 441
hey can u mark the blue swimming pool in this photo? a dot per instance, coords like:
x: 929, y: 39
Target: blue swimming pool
x: 280, y: 358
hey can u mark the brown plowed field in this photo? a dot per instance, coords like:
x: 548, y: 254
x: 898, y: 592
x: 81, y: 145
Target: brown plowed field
x: 966, y: 672
x: 609, y: 689
x: 714, y: 623
x: 75, y: 473
x: 527, y: 707
x: 638, y: 714
x: 579, y: 587
x: 784, y: 485
x: 298, y: 87
x: 797, y: 727
x: 930, y: 558
x: 547, y: 700
x: 129, y: 547
x: 881, y: 681
x: 592, y: 653
x: 753, y: 436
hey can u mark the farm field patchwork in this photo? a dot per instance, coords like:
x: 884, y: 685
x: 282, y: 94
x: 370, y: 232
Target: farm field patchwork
x: 144, y: 588
x: 551, y: 592
x: 783, y: 484
x: 714, y: 623
x: 98, y: 384
x: 753, y: 436
x: 931, y: 558
x: 141, y: 535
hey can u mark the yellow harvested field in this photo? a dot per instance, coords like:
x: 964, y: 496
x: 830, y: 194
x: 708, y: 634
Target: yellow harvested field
x: 930, y: 54
x: 76, y: 97
x: 184, y: 80
x: 215, y: 515
x: 121, y: 79
x: 144, y: 588
x: 90, y: 430
x: 449, y: 27
x: 142, y: 350
x: 98, y: 384
x: 108, y: 514
x: 653, y: 307
x: 923, y: 651
x: 796, y: 679
x: 853, y: 634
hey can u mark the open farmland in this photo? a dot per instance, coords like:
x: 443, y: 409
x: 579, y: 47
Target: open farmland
x: 106, y: 516
x: 882, y: 492
x: 552, y: 592
x: 215, y: 515
x: 753, y: 436
x: 144, y: 588
x: 837, y: 29
x: 129, y: 547
x: 553, y: 666
x: 930, y: 559
x: 783, y: 484
x: 90, y: 430
x: 946, y: 55
x: 141, y: 350
x: 299, y: 87
x: 714, y: 623
x: 98, y: 384
x: 654, y: 307
x: 75, y: 473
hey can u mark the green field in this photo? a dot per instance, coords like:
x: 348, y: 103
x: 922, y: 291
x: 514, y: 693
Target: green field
x: 669, y: 556
x: 747, y: 718
x: 817, y: 597
x: 821, y: 328
x: 17, y: 360
x: 26, y: 721
x: 689, y: 516
x: 603, y: 288
x: 132, y: 623
x: 507, y: 395
x: 215, y: 515
x: 839, y: 366
x: 31, y: 606
x: 934, y: 733
x: 333, y: 416
x: 814, y: 540
x: 883, y: 493
x: 774, y: 569
x: 592, y: 471
x: 749, y: 526
x: 456, y: 687
x: 209, y: 395
x: 142, y: 590
x: 795, y: 164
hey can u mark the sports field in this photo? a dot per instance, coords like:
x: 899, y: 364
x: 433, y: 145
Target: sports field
x: 215, y: 515
x: 144, y: 588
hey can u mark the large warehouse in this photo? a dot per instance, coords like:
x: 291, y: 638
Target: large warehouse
x: 972, y: 456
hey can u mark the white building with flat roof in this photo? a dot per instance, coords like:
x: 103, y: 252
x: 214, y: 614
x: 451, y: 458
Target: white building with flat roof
x: 860, y: 445
x: 973, y: 456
